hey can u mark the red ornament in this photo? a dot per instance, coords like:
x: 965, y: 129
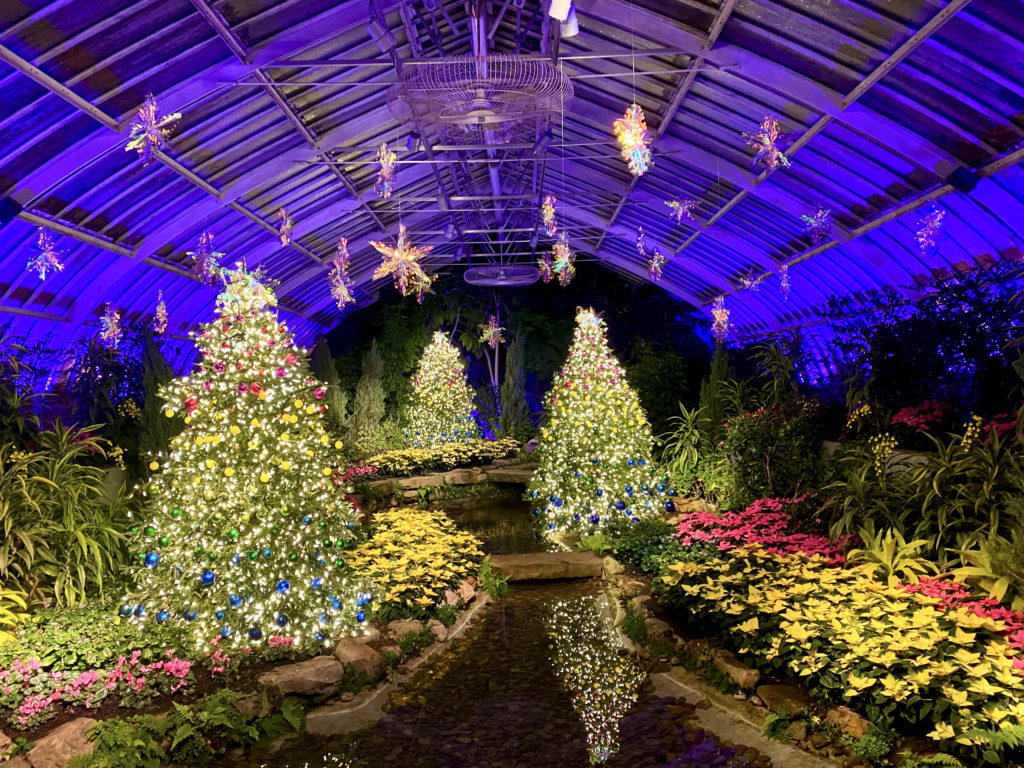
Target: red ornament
x: 239, y: 365
x: 256, y: 387
x: 291, y: 359
x: 207, y: 386
x: 191, y: 404
x: 248, y: 353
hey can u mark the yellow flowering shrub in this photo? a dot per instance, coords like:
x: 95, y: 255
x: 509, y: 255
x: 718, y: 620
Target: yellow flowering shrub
x: 897, y: 655
x: 409, y: 461
x: 412, y: 556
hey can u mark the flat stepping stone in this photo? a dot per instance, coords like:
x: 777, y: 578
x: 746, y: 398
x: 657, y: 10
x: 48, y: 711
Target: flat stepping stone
x: 548, y: 566
x: 510, y: 475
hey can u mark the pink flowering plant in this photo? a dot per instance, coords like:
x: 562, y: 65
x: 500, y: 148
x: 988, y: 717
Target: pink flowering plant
x: 920, y: 418
x: 775, y: 524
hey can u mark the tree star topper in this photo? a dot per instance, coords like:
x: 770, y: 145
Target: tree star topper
x: 246, y: 291
x: 634, y: 141
x: 492, y: 333
x: 48, y: 257
x: 681, y: 208
x: 768, y: 143
x: 401, y: 261
x: 338, y: 279
x: 547, y: 214
x: 386, y: 160
x: 149, y: 130
x: 205, y: 260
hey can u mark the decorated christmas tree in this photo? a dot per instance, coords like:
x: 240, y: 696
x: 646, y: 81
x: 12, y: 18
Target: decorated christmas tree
x: 595, y: 448
x: 245, y: 524
x: 441, y: 404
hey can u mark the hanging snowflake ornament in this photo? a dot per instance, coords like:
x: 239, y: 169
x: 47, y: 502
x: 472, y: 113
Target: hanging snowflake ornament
x: 544, y: 267
x: 784, y: 282
x: 149, y: 129
x: 205, y: 260
x: 160, y: 316
x: 751, y: 281
x: 110, y: 327
x: 929, y: 229
x: 48, y: 257
x: 768, y: 143
x: 634, y: 141
x: 720, y: 320
x: 492, y: 333
x: 818, y: 224
x: 284, y: 227
x: 656, y: 265
x: 386, y: 160
x: 563, y: 261
x: 402, y: 262
x: 681, y: 208
x: 641, y: 242
x: 547, y: 215
x: 339, y: 281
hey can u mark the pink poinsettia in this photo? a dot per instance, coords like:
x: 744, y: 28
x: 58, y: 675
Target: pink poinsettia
x: 920, y: 417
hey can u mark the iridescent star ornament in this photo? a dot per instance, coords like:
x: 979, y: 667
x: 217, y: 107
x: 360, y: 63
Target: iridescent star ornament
x: 547, y: 215
x: 386, y: 160
x: 720, y: 320
x: 818, y: 223
x: 784, y: 286
x: 47, y: 257
x: 339, y: 281
x: 929, y: 228
x: 563, y: 261
x: 284, y: 227
x: 205, y: 259
x: 682, y: 208
x: 492, y: 333
x: 160, y: 320
x: 544, y: 267
x: 641, y: 242
x: 247, y: 291
x: 768, y: 143
x: 110, y: 327
x: 149, y: 129
x: 634, y: 141
x: 402, y: 262
x: 656, y: 265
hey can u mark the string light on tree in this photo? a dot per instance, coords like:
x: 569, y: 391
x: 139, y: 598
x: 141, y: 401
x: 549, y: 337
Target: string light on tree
x: 110, y: 327
x: 818, y: 223
x: 930, y: 228
x: 441, y: 403
x: 656, y: 264
x: 634, y: 141
x: 544, y: 267
x: 386, y: 160
x: 338, y: 279
x: 563, y: 260
x: 768, y: 143
x: 595, y: 443
x: 681, y: 208
x: 547, y: 215
x: 720, y: 320
x: 205, y: 260
x: 47, y: 257
x: 492, y: 333
x: 160, y: 320
x: 284, y: 227
x: 149, y: 129
x: 784, y: 286
x: 402, y: 262
x: 246, y: 527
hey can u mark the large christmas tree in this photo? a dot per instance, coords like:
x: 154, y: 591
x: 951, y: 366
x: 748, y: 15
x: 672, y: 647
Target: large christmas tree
x: 245, y: 523
x: 441, y: 404
x: 595, y: 448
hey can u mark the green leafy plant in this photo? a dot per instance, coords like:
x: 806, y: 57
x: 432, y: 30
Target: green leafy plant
x: 493, y: 582
x: 681, y: 446
x: 595, y: 542
x: 650, y: 545
x: 447, y: 614
x: 775, y: 725
x: 515, y: 410
x: 874, y: 746
x: 391, y: 659
x: 633, y: 626
x: 12, y: 613
x: 414, y: 642
x: 886, y: 554
x: 365, y: 433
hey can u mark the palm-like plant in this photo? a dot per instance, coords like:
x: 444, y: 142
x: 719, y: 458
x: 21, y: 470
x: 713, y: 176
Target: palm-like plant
x: 888, y: 555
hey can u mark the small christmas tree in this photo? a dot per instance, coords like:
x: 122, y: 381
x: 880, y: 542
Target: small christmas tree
x: 246, y: 524
x: 595, y: 449
x: 441, y: 404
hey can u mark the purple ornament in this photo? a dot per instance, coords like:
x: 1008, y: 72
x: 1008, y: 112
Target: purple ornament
x: 280, y: 373
x: 319, y: 393
x: 243, y: 388
x: 207, y: 385
x: 218, y: 367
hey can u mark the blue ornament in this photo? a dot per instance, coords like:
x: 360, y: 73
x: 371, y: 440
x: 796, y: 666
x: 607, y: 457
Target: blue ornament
x: 551, y: 526
x: 139, y: 610
x: 620, y: 505
x: 636, y: 519
x: 552, y: 498
x: 363, y: 599
x: 559, y: 502
x: 642, y: 462
x: 536, y: 512
x: 672, y: 492
x: 225, y: 631
x: 351, y: 525
x: 670, y: 506
x: 594, y: 461
x: 630, y: 462
x: 323, y: 618
x: 595, y: 519
x: 629, y: 490
x: 191, y: 614
x: 152, y: 559
x: 283, y: 586
x: 600, y: 492
x: 335, y: 603
x: 236, y: 559
x: 307, y: 520
x: 319, y: 636
x: 281, y: 619
x: 576, y: 516
x: 162, y: 617
x: 235, y: 600
x: 255, y: 633
x: 208, y: 578
x: 577, y: 474
x: 361, y: 616
x: 661, y: 487
x: 533, y: 494
x: 266, y: 552
x: 219, y: 615
x: 315, y: 584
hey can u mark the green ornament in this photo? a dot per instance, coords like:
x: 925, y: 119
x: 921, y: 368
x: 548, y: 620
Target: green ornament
x: 164, y: 541
x: 176, y: 512
x: 321, y: 523
x: 199, y: 549
x: 150, y: 530
x: 134, y: 529
x: 327, y: 542
x: 233, y: 534
x: 339, y: 564
x: 211, y: 555
x: 293, y: 557
x: 252, y: 555
x: 339, y: 543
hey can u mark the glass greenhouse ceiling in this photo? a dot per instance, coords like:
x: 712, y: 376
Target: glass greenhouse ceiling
x: 885, y: 107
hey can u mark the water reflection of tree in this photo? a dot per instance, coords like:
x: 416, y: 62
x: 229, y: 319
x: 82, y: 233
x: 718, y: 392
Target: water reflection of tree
x: 603, y: 685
